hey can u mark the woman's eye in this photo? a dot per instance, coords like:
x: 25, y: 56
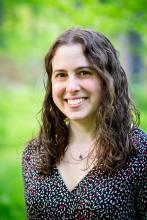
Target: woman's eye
x: 60, y: 75
x: 84, y: 73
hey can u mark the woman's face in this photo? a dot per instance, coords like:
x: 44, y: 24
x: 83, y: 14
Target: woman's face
x: 76, y: 87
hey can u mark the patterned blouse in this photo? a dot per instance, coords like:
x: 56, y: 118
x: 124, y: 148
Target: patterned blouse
x: 118, y: 196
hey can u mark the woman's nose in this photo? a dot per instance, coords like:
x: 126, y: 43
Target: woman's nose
x: 72, y: 84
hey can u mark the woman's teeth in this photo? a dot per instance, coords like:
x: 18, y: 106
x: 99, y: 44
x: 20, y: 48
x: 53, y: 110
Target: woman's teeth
x: 75, y: 101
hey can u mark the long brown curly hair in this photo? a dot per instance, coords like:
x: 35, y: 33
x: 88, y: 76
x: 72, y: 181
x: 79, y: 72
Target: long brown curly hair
x: 115, y: 117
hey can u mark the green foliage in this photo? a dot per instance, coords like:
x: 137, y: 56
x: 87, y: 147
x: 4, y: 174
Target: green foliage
x: 18, y: 117
x: 15, y: 116
x: 11, y: 188
x: 141, y: 103
x: 34, y: 23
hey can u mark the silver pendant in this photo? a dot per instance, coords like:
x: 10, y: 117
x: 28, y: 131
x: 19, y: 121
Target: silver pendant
x: 80, y: 157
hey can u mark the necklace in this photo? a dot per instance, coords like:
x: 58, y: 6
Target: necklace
x: 80, y: 157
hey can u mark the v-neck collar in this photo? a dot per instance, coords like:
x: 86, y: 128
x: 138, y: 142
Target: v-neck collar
x: 78, y: 184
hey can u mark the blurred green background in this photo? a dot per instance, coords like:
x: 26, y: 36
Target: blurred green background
x: 27, y: 29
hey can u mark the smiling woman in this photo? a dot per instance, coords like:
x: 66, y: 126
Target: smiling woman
x: 89, y: 159
x: 76, y: 89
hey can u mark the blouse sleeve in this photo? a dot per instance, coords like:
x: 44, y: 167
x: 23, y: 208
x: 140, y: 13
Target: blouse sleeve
x: 142, y: 176
x: 142, y: 198
x: 28, y: 172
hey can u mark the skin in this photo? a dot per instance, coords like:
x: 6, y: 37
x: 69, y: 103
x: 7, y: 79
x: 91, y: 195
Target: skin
x: 76, y: 87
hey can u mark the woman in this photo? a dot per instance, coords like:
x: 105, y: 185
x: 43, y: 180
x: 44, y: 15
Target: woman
x: 89, y: 159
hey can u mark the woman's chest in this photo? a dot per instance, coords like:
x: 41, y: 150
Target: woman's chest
x: 94, y: 195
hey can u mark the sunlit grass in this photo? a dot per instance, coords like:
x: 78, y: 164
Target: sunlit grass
x: 11, y: 189
x: 18, y: 116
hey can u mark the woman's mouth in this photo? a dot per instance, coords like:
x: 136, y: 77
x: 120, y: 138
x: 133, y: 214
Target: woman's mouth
x: 75, y: 101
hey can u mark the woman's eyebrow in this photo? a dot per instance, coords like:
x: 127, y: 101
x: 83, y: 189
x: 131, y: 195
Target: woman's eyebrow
x: 59, y: 70
x: 85, y: 67
x: 77, y: 69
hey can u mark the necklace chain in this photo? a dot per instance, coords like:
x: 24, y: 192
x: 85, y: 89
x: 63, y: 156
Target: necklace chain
x: 80, y: 157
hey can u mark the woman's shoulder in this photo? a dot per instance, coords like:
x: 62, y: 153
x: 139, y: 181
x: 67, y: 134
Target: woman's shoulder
x: 139, y: 140
x: 30, y: 149
x: 139, y: 160
x: 29, y: 155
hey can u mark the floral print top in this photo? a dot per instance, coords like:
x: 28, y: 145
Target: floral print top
x: 118, y: 196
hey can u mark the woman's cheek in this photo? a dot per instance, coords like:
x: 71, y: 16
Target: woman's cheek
x: 57, y: 91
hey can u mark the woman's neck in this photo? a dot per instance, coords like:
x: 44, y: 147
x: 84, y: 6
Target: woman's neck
x: 79, y: 133
x: 81, y: 143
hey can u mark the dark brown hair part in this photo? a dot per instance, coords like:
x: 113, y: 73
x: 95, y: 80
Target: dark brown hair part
x: 115, y: 117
